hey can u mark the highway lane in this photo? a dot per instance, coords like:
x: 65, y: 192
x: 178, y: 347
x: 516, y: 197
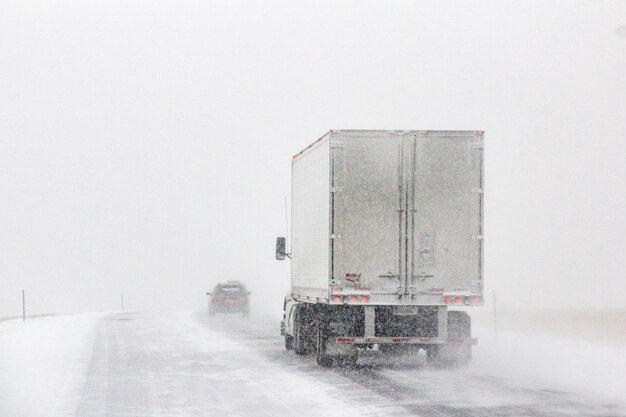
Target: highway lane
x: 147, y: 364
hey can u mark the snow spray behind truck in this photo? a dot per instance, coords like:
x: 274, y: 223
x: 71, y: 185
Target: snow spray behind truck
x: 387, y: 236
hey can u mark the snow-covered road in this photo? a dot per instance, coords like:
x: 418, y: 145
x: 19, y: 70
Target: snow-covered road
x: 146, y: 364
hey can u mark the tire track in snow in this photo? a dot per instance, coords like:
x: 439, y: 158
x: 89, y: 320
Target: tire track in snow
x: 428, y: 392
x: 115, y: 373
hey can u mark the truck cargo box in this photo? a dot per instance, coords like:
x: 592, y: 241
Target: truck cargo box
x: 388, y: 218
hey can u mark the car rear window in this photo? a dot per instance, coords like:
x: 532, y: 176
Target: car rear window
x: 230, y: 289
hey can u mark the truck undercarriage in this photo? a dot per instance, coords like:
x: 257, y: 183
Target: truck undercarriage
x: 335, y: 334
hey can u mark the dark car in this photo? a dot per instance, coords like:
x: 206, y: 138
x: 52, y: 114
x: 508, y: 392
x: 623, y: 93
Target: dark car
x: 229, y: 297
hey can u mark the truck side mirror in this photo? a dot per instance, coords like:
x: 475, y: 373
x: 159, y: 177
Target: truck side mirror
x: 280, y: 248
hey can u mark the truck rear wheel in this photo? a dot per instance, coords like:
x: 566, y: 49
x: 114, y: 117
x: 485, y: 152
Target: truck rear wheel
x: 459, y: 326
x: 299, y: 337
x: 325, y: 361
x: 448, y: 356
x: 288, y: 342
x: 298, y: 342
x: 346, y: 360
x: 321, y: 357
x: 432, y: 355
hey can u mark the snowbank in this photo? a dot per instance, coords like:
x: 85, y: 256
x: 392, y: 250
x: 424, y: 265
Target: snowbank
x: 590, y: 369
x: 43, y: 363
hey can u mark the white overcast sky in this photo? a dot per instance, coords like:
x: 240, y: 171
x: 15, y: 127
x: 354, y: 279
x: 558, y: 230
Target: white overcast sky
x: 145, y: 146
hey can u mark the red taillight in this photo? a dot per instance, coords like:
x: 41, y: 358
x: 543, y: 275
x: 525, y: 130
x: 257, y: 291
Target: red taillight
x: 458, y: 300
x: 354, y: 298
x: 447, y: 300
x: 475, y: 299
x: 365, y: 298
x: 337, y: 298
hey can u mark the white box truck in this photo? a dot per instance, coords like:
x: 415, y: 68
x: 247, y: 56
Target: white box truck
x: 386, y: 244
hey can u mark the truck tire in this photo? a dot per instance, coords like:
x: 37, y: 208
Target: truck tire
x: 433, y: 357
x: 348, y: 361
x: 299, y: 337
x: 449, y: 356
x: 288, y: 342
x: 321, y: 357
x: 325, y: 361
x: 459, y: 324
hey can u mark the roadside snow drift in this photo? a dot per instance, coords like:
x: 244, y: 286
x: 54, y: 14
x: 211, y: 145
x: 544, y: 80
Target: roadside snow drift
x: 43, y: 363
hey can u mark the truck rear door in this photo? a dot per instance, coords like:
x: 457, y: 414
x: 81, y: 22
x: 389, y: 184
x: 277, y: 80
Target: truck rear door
x: 367, y: 189
x: 406, y: 211
x: 445, y: 221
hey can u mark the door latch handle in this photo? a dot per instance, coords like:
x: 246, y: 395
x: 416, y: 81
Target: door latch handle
x: 423, y: 276
x: 389, y: 275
